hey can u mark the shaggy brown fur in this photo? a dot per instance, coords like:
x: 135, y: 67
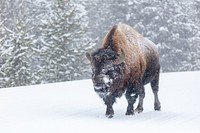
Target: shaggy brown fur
x: 141, y: 66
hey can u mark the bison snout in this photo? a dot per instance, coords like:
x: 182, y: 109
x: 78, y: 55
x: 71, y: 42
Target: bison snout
x: 98, y: 88
x: 101, y: 88
x: 101, y: 91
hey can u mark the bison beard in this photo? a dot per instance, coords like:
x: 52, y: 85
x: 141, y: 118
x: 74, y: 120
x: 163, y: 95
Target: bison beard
x: 125, y: 63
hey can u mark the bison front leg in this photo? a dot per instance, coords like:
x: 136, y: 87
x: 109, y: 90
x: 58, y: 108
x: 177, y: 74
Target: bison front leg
x: 131, y: 96
x: 109, y: 101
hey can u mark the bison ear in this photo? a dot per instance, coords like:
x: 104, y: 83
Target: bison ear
x: 120, y: 58
x: 89, y: 57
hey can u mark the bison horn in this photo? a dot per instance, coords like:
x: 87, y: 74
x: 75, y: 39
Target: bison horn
x: 120, y: 59
x: 88, y: 57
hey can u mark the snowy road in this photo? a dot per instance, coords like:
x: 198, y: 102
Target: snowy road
x: 74, y: 107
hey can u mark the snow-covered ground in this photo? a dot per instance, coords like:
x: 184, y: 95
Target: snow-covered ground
x: 74, y: 107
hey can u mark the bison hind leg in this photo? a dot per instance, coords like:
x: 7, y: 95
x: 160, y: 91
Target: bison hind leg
x: 139, y: 108
x: 155, y: 88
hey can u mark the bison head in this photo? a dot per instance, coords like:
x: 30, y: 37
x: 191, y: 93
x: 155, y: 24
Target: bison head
x: 107, y: 70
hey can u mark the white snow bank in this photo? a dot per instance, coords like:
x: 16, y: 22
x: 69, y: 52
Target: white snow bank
x: 74, y: 107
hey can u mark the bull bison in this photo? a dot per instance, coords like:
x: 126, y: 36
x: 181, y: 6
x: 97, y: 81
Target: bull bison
x: 126, y: 62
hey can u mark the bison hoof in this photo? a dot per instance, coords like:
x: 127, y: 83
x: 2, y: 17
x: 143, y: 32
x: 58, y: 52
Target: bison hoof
x: 157, y: 107
x: 130, y: 112
x: 109, y: 115
x: 139, y: 110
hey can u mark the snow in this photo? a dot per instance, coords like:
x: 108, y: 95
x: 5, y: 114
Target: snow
x: 74, y: 107
x: 106, y: 79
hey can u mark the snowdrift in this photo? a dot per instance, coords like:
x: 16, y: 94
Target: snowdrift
x: 74, y: 107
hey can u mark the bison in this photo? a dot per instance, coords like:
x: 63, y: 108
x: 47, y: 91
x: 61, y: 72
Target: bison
x: 125, y: 63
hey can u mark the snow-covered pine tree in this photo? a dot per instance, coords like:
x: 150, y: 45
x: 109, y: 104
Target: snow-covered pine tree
x: 194, y: 41
x: 15, y: 43
x: 64, y: 42
x: 36, y: 14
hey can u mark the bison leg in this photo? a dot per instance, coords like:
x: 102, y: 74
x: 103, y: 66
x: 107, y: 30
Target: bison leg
x: 139, y: 108
x: 155, y: 88
x: 109, y: 101
x: 131, y: 97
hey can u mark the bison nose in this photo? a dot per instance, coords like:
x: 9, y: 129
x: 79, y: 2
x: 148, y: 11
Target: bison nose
x: 98, y: 88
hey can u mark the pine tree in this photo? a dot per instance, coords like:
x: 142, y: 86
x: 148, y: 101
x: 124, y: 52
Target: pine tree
x: 194, y: 41
x: 64, y: 43
x: 14, y: 51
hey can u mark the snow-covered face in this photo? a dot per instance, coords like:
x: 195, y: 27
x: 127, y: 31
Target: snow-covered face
x: 105, y: 77
x: 105, y: 74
